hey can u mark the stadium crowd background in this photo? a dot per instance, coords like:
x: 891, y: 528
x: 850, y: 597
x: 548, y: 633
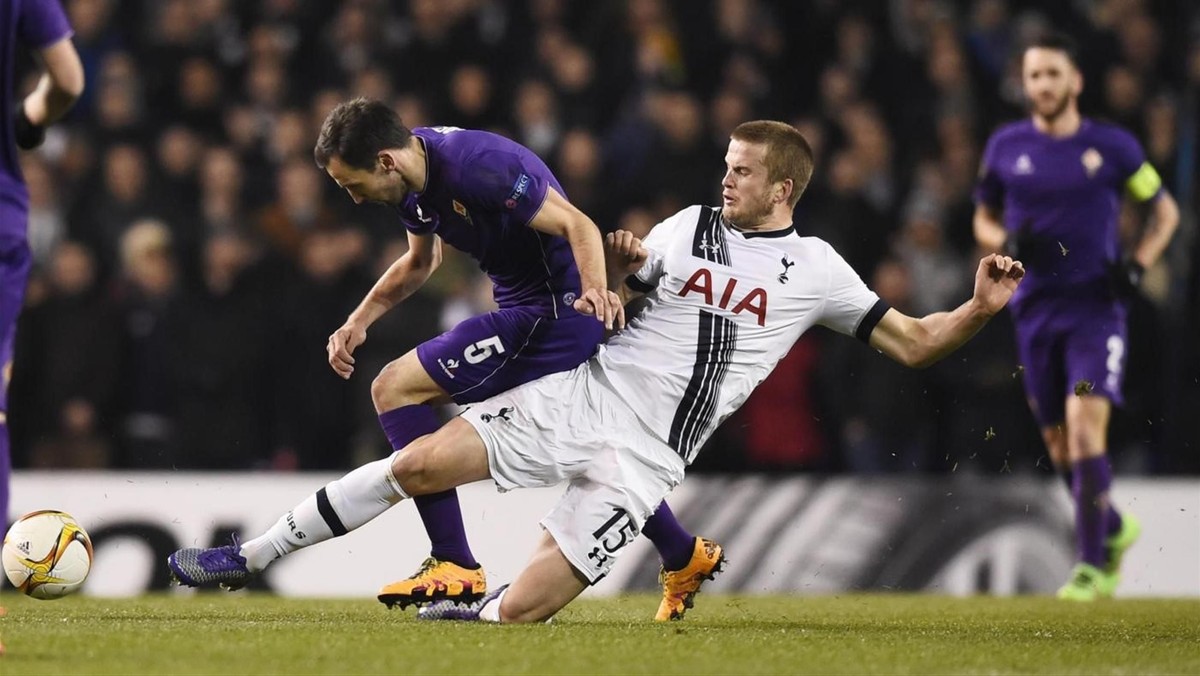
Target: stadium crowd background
x: 192, y: 260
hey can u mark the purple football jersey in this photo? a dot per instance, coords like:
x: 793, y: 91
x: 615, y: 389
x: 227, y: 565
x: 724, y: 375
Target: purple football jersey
x: 24, y: 24
x: 480, y: 193
x: 1064, y: 194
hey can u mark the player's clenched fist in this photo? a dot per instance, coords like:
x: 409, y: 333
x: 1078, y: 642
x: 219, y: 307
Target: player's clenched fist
x: 996, y: 280
x: 340, y: 348
x: 625, y: 251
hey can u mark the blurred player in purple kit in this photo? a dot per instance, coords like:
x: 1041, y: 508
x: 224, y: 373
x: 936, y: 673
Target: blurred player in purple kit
x: 41, y: 26
x: 1050, y: 191
x: 497, y: 201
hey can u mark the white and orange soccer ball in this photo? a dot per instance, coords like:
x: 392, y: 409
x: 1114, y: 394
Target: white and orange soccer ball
x: 47, y: 554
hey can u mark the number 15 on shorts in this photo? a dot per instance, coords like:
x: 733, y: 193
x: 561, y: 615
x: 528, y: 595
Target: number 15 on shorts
x: 477, y: 352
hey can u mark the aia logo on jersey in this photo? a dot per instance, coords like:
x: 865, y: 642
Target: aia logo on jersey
x: 754, y: 302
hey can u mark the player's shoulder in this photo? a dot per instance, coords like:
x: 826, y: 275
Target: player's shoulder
x: 464, y: 143
x: 690, y: 216
x: 1013, y: 131
x: 1101, y: 131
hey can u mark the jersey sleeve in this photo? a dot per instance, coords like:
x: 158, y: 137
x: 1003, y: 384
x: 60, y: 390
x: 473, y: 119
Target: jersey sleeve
x: 850, y: 307
x: 415, y: 219
x: 656, y: 243
x: 42, y: 23
x: 1140, y: 180
x: 501, y: 182
x: 989, y: 189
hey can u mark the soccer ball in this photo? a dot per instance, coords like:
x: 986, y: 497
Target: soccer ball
x: 47, y: 554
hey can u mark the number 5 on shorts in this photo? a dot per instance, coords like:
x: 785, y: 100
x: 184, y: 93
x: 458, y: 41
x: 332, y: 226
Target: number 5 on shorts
x: 485, y: 348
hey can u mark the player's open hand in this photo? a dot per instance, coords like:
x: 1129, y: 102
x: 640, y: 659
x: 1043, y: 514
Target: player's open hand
x: 604, y: 305
x: 995, y: 281
x: 340, y: 348
x: 625, y: 251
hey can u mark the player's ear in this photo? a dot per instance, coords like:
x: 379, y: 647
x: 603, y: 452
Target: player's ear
x: 786, y: 186
x: 385, y: 160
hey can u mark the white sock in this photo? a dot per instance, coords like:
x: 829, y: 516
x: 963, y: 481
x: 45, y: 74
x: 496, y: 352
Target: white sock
x: 490, y: 612
x: 336, y: 509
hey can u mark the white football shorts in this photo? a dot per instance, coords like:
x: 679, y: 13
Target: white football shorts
x: 572, y: 427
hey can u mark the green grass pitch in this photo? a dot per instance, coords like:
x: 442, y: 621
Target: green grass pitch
x: 241, y: 633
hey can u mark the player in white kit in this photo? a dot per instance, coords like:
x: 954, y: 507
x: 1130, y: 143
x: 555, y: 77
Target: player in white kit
x: 729, y: 291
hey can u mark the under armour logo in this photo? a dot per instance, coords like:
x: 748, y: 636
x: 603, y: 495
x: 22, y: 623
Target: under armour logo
x: 421, y: 215
x: 783, y: 276
x: 707, y: 245
x: 502, y: 414
x: 598, y: 557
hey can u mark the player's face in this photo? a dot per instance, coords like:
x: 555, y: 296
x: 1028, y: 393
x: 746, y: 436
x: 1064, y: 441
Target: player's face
x: 746, y: 192
x: 380, y: 185
x: 1051, y: 82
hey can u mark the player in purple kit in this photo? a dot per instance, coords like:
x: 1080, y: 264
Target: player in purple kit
x: 496, y: 200
x: 39, y: 25
x: 1049, y: 192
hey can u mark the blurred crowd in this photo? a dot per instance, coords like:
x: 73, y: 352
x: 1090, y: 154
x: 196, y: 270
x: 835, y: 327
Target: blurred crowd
x: 192, y: 259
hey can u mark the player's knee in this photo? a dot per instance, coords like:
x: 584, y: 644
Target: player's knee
x: 1083, y: 445
x: 390, y: 389
x: 412, y: 469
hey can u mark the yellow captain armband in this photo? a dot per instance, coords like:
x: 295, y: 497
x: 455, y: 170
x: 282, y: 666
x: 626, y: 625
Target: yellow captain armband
x: 1144, y: 183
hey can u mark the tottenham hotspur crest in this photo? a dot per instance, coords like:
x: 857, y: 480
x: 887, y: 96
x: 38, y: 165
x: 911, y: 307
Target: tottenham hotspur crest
x: 502, y: 414
x: 783, y: 276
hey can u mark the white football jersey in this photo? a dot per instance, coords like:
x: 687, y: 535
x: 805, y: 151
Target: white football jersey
x: 724, y: 306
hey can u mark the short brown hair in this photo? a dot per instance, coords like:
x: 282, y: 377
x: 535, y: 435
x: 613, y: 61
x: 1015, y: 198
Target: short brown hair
x: 357, y: 130
x: 788, y: 153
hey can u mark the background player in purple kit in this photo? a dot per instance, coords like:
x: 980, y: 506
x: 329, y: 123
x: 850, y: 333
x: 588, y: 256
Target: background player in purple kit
x: 497, y: 201
x: 1049, y: 192
x: 39, y: 25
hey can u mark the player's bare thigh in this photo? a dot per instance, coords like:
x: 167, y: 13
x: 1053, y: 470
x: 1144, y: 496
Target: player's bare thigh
x: 404, y: 382
x: 452, y: 456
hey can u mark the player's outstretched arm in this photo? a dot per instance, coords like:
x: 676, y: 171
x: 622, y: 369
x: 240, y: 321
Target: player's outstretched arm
x: 402, y: 278
x: 559, y: 217
x: 922, y: 342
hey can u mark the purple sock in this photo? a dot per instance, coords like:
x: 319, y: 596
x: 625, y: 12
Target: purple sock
x: 1112, y: 520
x: 674, y: 544
x: 1092, y: 480
x: 5, y: 471
x: 440, y: 511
